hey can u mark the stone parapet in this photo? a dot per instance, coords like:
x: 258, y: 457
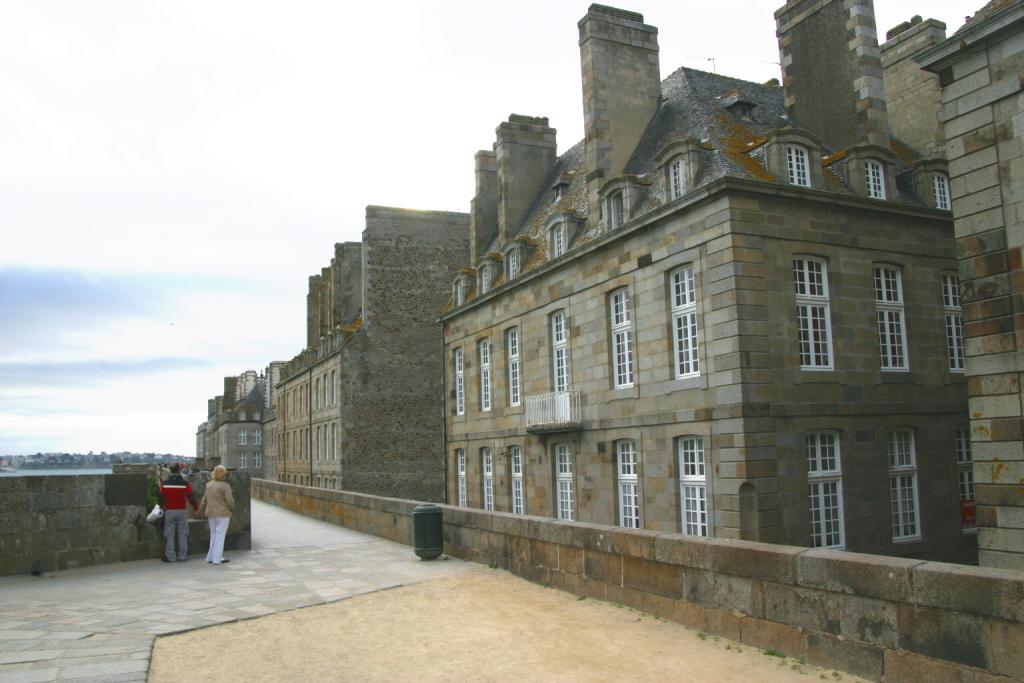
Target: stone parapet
x: 882, y: 618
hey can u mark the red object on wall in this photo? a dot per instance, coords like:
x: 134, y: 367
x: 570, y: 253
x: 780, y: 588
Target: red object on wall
x: 968, y: 513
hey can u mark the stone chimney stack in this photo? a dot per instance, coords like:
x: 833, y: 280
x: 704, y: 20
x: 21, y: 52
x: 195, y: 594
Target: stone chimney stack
x: 524, y: 153
x: 228, y: 399
x: 621, y: 91
x: 483, y: 212
x: 313, y: 312
x: 347, y: 275
x: 912, y: 95
x: 326, y: 301
x: 832, y: 70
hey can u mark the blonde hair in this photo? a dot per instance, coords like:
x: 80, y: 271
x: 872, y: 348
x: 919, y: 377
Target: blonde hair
x: 219, y: 472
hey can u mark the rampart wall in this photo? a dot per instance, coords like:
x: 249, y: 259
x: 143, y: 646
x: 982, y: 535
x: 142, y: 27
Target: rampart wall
x: 887, y: 618
x: 49, y: 523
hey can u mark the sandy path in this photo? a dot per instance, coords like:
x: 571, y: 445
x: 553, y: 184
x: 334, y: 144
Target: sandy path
x: 482, y: 626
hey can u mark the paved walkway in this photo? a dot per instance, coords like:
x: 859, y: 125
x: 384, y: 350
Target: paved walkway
x: 98, y: 624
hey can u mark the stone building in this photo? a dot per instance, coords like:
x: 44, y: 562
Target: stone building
x: 360, y: 408
x: 731, y: 310
x: 232, y: 434
x: 979, y: 71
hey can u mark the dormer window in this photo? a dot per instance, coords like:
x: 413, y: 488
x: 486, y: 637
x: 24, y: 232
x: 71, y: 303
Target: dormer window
x: 485, y: 280
x: 680, y: 162
x: 512, y: 265
x: 561, y: 185
x: 616, y: 210
x: 797, y: 165
x: 459, y: 292
x: 940, y: 191
x: 874, y: 178
x: 556, y: 240
x: 676, y: 179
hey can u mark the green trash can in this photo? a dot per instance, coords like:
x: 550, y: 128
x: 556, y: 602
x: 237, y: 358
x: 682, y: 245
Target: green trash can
x: 427, y: 531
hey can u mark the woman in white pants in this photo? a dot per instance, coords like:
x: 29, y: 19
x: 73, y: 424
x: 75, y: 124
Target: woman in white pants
x: 217, y: 504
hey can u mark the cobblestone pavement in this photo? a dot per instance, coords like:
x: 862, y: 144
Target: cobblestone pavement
x: 98, y: 624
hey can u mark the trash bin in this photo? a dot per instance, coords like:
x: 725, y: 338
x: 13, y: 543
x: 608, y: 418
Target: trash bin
x: 427, y: 535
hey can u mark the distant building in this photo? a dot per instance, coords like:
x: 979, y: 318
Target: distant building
x: 732, y: 310
x: 979, y: 71
x: 232, y: 434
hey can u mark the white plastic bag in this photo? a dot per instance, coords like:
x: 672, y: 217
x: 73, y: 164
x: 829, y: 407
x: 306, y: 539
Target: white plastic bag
x: 155, y: 514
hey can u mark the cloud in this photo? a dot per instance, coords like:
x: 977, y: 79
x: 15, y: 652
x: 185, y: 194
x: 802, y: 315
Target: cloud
x: 89, y: 372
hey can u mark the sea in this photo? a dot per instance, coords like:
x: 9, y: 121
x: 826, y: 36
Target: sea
x: 51, y: 473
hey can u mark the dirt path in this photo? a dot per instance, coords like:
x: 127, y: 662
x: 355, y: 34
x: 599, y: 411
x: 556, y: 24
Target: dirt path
x: 483, y: 626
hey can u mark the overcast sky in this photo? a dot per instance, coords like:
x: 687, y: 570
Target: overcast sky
x: 172, y: 171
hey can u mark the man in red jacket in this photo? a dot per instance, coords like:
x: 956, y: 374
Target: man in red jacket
x: 176, y: 492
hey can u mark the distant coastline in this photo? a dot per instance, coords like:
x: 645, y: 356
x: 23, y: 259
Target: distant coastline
x: 53, y: 471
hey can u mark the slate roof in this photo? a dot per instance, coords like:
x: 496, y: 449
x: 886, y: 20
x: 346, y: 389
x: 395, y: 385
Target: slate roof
x: 988, y: 10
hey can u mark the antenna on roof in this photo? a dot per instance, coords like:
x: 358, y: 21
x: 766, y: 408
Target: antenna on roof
x: 714, y: 69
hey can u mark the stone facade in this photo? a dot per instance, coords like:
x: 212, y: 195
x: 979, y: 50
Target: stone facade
x: 979, y: 69
x: 232, y: 434
x: 360, y: 409
x: 654, y: 361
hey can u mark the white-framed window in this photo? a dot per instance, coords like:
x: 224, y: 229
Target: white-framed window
x: 964, y: 464
x: 797, y: 166
x: 512, y: 264
x: 316, y: 395
x: 487, y: 463
x: 316, y: 444
x: 825, y: 490
x: 676, y: 179
x: 459, y: 292
x: 903, y: 485
x: 484, y: 352
x: 323, y: 388
x: 334, y: 443
x: 940, y: 191
x: 243, y: 461
x: 874, y: 176
x: 259, y: 437
x: 684, y: 322
x: 814, y: 326
x: 485, y: 279
x: 460, y: 381
x: 564, y: 484
x: 257, y: 460
x: 242, y: 437
x: 556, y: 240
x: 514, y: 377
x: 460, y: 465
x: 616, y: 210
x: 622, y: 338
x: 515, y: 456
x: 693, y: 493
x: 892, y: 333
x: 334, y: 388
x: 954, y: 322
x: 560, y: 351
x: 629, y: 483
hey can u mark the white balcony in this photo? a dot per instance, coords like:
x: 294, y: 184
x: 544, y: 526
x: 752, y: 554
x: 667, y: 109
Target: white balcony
x: 556, y: 411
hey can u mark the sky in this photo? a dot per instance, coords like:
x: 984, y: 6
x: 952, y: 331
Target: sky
x: 172, y: 171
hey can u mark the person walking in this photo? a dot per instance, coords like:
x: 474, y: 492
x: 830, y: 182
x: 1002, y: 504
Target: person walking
x: 176, y: 493
x: 217, y: 504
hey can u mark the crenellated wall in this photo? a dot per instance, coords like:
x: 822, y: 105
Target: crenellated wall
x: 879, y: 617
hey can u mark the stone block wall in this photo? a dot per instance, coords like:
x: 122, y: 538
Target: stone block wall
x: 49, y: 523
x: 913, y: 96
x: 882, y: 618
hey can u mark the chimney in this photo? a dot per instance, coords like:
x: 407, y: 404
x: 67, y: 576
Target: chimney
x: 913, y: 96
x: 313, y: 312
x: 832, y: 70
x: 347, y: 272
x: 524, y: 153
x: 326, y: 301
x: 228, y: 400
x: 483, y: 212
x: 621, y: 91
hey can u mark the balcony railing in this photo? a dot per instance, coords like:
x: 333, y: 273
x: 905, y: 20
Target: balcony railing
x: 553, y: 412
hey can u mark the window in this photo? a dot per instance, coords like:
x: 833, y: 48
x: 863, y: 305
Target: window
x: 257, y: 460
x: 940, y: 191
x: 242, y: 438
x: 512, y: 354
x: 693, y: 486
x: 684, y: 322
x: 484, y: 348
x: 964, y: 464
x: 616, y: 210
x: 556, y: 241
x: 515, y: 455
x: 629, y: 485
x: 243, y: 461
x: 334, y: 388
x: 892, y: 339
x: 459, y: 292
x: 460, y: 464
x: 488, y: 468
x: 954, y: 323
x: 316, y: 394
x: 560, y: 351
x: 903, y: 485
x: 825, y: 489
x: 875, y: 179
x: 676, y: 179
x: 622, y: 338
x: 485, y: 279
x: 512, y: 264
x: 317, y: 444
x: 797, y: 166
x: 564, y: 481
x: 334, y: 452
x: 460, y: 383
x: 259, y: 437
x: 810, y: 280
